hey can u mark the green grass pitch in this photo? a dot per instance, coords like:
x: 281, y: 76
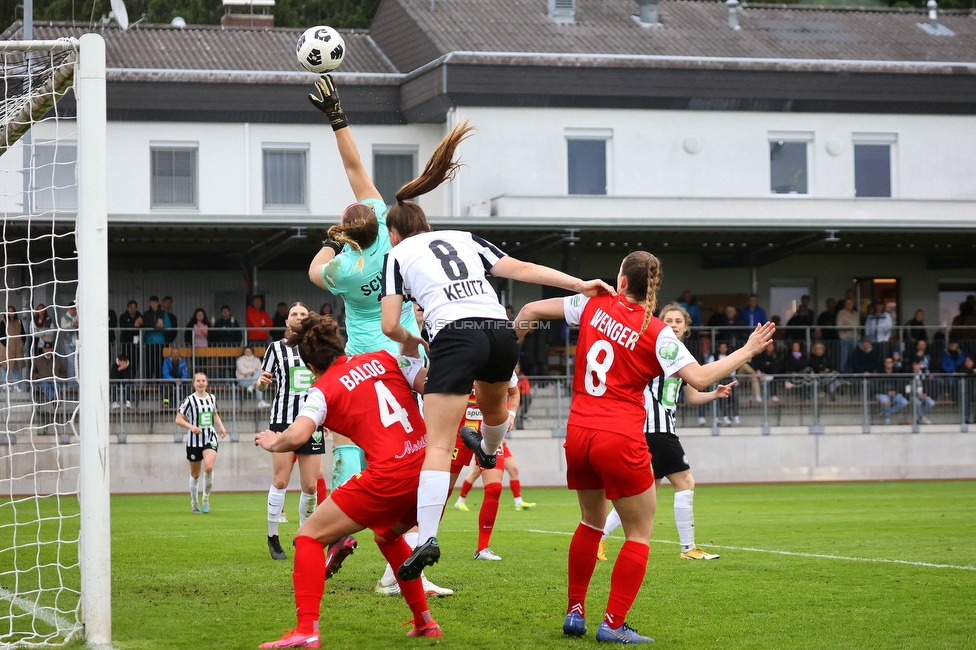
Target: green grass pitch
x: 206, y: 581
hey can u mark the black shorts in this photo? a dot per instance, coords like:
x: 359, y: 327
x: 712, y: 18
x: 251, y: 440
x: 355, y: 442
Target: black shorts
x: 314, y: 446
x: 667, y: 455
x: 471, y: 349
x: 195, y: 454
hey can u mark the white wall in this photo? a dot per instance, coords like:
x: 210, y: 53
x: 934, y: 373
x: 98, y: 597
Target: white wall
x: 230, y: 165
x: 522, y: 151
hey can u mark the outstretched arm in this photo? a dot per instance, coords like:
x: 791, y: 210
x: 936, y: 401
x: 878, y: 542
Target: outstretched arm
x: 360, y: 182
x: 697, y: 398
x: 701, y: 377
x: 513, y: 269
x: 533, y: 312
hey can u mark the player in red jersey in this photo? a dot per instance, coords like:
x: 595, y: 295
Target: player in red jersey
x: 621, y: 347
x: 369, y: 396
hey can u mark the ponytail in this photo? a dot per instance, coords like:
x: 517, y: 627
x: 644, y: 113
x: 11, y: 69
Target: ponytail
x: 359, y: 229
x: 644, y: 275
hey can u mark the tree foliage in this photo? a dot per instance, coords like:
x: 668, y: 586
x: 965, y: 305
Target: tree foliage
x: 287, y: 13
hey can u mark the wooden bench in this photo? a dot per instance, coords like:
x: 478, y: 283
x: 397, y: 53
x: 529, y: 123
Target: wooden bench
x: 213, y: 352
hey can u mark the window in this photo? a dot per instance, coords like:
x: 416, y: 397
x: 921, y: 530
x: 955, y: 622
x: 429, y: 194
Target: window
x: 788, y: 163
x: 587, y: 157
x: 285, y: 177
x: 872, y: 164
x: 393, y: 167
x: 174, y: 176
x: 53, y: 183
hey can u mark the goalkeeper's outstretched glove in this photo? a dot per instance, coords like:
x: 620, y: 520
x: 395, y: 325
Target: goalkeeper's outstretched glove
x: 328, y: 102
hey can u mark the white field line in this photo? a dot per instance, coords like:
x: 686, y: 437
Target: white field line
x: 796, y: 553
x: 46, y: 614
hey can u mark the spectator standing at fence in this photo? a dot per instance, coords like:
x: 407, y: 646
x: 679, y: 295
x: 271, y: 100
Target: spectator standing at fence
x: 176, y: 371
x: 879, y: 326
x: 280, y: 321
x: 916, y: 327
x: 154, y: 321
x: 865, y: 358
x: 797, y: 324
x: 731, y: 325
x: 827, y: 320
x: 848, y: 323
x: 167, y: 306
x: 42, y: 329
x: 767, y: 365
x: 889, y: 393
x: 968, y: 371
x: 525, y: 396
x: 45, y: 369
x: 690, y: 303
x: 951, y: 362
x: 725, y: 406
x: 12, y: 338
x: 120, y: 374
x: 964, y: 324
x: 198, y: 329
x: 69, y: 339
x: 258, y: 321
x: 715, y: 320
x: 752, y: 314
x: 921, y: 355
x: 227, y: 322
x: 130, y: 322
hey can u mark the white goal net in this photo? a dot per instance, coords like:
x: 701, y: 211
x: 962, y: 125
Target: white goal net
x: 43, y: 365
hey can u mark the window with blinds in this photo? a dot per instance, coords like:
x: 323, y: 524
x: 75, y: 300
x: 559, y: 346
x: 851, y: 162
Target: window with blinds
x: 174, y: 177
x: 285, y: 178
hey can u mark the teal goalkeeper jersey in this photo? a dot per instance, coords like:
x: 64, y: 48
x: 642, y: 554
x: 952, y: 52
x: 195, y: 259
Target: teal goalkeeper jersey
x: 360, y: 289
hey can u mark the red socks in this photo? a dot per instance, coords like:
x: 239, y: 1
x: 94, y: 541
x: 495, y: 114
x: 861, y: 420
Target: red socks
x: 516, y: 488
x: 465, y: 488
x: 309, y: 580
x: 395, y: 553
x: 489, y: 511
x: 582, y: 561
x: 321, y: 491
x: 628, y: 574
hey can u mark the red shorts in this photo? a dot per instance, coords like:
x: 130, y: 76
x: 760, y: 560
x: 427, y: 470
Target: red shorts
x: 378, y: 500
x: 462, y: 456
x: 619, y: 465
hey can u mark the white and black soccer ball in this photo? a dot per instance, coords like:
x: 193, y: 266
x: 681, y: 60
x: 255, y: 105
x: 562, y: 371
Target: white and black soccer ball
x: 321, y: 49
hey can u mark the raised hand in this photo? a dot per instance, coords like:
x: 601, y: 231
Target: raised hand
x: 327, y: 101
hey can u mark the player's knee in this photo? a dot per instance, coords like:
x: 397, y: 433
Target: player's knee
x: 279, y: 484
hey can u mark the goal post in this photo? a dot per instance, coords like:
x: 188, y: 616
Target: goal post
x: 55, y: 536
x: 95, y: 541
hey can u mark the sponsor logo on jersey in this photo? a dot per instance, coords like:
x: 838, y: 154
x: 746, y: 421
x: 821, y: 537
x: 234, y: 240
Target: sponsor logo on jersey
x: 464, y: 289
x: 300, y: 379
x: 413, y: 447
x: 605, y: 324
x: 473, y: 413
x: 669, y: 351
x: 577, y: 300
x: 317, y: 436
x: 361, y: 373
x: 205, y: 419
x: 373, y: 286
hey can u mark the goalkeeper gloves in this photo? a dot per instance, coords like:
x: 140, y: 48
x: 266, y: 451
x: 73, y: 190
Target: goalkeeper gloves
x: 328, y: 102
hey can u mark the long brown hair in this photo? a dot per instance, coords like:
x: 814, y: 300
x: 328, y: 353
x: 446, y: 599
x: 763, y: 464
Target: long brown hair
x: 359, y: 229
x: 317, y: 340
x: 643, y: 273
x: 406, y: 217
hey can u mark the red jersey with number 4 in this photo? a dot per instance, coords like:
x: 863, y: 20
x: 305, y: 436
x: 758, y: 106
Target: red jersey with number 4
x: 614, y: 363
x: 367, y: 397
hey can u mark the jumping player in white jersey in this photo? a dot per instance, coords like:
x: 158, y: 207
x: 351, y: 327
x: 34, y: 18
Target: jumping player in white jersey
x: 198, y: 414
x: 668, y: 458
x: 284, y: 368
x: 471, y: 337
x: 350, y: 265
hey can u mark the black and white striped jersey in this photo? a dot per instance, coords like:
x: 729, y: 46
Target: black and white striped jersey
x: 445, y: 272
x: 200, y: 411
x: 660, y: 398
x: 292, y: 379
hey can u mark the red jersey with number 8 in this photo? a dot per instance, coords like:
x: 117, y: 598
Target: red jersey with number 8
x: 614, y: 362
x: 367, y: 397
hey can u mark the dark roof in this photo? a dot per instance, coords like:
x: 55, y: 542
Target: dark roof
x: 687, y: 29
x: 214, y: 48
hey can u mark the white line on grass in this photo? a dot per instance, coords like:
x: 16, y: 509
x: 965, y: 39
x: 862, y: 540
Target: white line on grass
x: 817, y: 555
x: 46, y: 614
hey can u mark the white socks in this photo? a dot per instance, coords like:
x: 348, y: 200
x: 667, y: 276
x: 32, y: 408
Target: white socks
x: 193, y: 491
x: 492, y: 436
x: 613, y: 523
x: 518, y: 501
x: 276, y: 503
x: 207, y: 485
x: 431, y: 497
x: 684, y: 518
x: 306, y: 506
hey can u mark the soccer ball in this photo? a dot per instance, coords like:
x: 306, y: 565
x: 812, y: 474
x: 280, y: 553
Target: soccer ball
x: 320, y: 49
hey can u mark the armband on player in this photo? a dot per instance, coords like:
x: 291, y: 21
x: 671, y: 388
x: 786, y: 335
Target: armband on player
x: 512, y: 413
x: 335, y: 246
